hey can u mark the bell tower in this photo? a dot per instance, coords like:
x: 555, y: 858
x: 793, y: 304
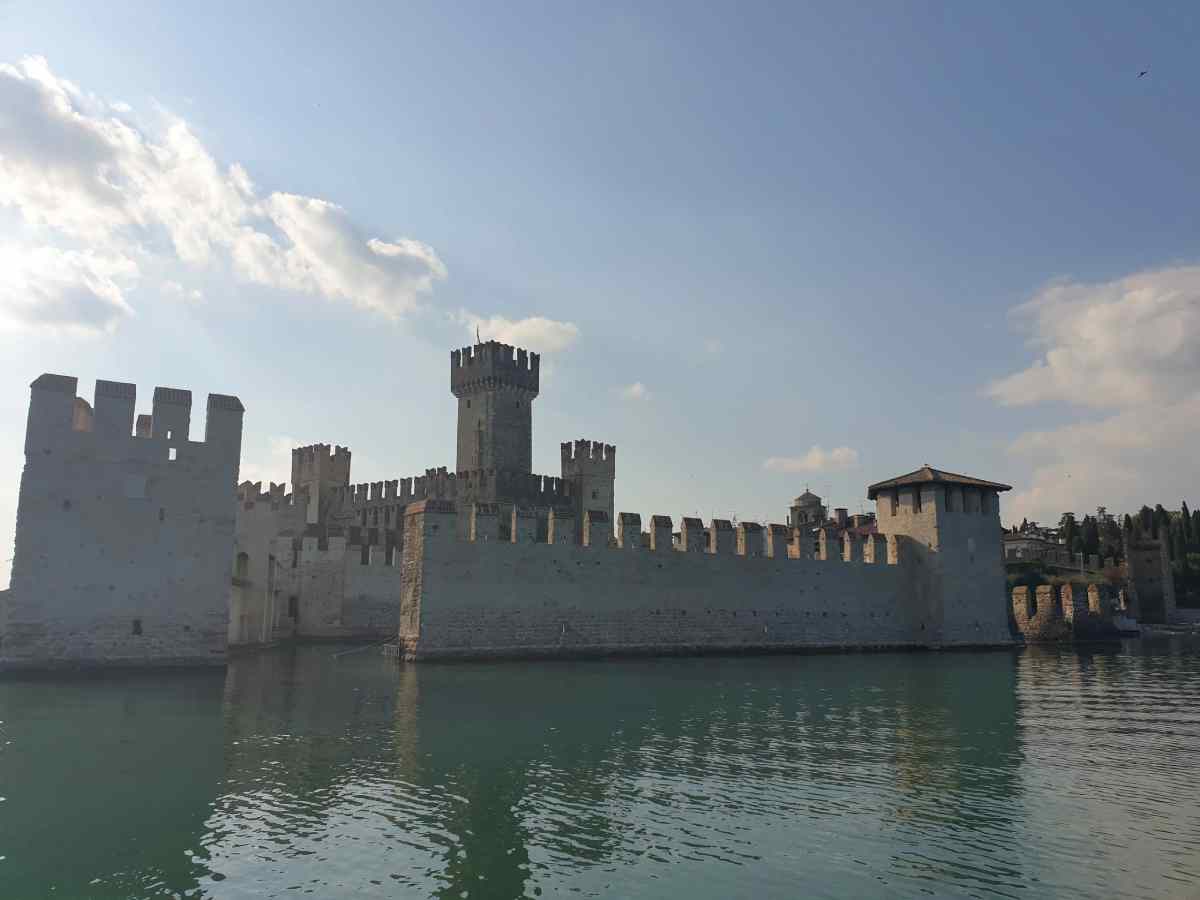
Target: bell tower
x: 496, y: 385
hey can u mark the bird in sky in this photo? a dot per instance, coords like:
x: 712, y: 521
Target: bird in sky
x: 1143, y: 73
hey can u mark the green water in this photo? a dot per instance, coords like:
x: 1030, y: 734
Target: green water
x: 1036, y: 773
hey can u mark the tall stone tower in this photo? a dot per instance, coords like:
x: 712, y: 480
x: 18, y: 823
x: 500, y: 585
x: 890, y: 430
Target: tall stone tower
x: 951, y: 527
x: 590, y: 467
x: 318, y: 469
x: 496, y: 385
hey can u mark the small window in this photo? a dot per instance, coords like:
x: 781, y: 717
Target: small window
x: 137, y: 626
x: 595, y: 495
x: 172, y: 454
x: 517, y: 404
x: 916, y: 500
x: 294, y: 608
x: 169, y: 434
x: 468, y: 404
x: 162, y: 514
x: 895, y: 502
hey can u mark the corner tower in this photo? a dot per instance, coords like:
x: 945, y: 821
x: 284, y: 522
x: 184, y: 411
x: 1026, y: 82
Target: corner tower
x: 951, y: 524
x: 496, y: 385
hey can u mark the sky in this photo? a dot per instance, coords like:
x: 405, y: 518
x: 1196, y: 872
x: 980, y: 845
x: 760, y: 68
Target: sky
x: 760, y: 247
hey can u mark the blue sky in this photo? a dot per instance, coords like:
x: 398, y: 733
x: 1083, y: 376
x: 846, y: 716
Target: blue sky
x: 828, y: 244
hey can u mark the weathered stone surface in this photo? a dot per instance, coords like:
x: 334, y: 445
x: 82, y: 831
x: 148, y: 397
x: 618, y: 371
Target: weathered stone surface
x: 123, y: 551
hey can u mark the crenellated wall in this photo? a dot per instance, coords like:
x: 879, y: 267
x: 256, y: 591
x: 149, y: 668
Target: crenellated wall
x: 1066, y: 612
x: 123, y: 551
x: 487, y: 598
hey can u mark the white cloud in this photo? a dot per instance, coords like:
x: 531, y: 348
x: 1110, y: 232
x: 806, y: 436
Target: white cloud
x: 713, y: 347
x: 63, y: 290
x: 81, y: 169
x: 635, y: 391
x: 817, y: 459
x: 1111, y: 345
x: 1129, y: 349
x: 535, y: 333
x: 177, y: 291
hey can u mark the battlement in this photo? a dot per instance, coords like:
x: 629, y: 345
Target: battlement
x: 594, y: 456
x: 485, y: 523
x: 251, y: 494
x: 315, y: 459
x: 1064, y: 612
x: 55, y: 412
x: 493, y: 365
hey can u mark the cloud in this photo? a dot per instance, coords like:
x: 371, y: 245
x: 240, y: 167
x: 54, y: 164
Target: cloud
x: 817, y: 459
x: 177, y: 291
x: 535, y: 333
x: 1129, y: 351
x: 713, y: 347
x: 635, y: 391
x: 82, y: 170
x: 44, y: 288
x: 1111, y: 345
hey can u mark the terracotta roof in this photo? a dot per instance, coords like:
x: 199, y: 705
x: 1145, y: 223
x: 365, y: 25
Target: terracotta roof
x: 930, y: 475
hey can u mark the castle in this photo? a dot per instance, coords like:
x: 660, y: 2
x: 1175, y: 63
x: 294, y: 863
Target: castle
x: 488, y: 560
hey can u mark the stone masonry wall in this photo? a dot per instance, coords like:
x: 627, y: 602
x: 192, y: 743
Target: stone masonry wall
x: 462, y: 599
x: 123, y: 551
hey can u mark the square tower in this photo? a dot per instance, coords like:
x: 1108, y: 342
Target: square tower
x: 496, y: 385
x: 950, y: 526
x: 590, y: 467
x: 317, y: 470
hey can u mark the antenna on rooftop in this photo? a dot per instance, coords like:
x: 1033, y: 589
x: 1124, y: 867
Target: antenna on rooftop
x: 477, y: 339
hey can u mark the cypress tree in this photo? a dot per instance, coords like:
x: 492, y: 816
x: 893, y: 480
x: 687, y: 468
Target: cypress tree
x: 1162, y: 522
x: 1091, y: 535
x: 1185, y: 523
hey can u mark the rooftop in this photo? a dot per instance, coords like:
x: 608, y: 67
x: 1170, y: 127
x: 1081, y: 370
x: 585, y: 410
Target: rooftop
x: 929, y: 475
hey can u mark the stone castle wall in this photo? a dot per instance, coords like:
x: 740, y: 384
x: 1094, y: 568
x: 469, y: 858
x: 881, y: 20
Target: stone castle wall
x: 486, y: 598
x: 330, y: 588
x: 124, y: 542
x: 261, y: 518
x: 1065, y: 612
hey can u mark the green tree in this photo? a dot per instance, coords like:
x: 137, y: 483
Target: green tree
x: 1178, y: 546
x: 1146, y: 520
x: 1068, y: 529
x: 1185, y: 523
x: 1162, y: 522
x: 1090, y: 534
x: 1128, y: 524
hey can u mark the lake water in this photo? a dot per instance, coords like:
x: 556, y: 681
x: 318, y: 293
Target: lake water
x: 1033, y: 773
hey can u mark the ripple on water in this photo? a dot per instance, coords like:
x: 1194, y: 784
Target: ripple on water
x: 1040, y: 773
